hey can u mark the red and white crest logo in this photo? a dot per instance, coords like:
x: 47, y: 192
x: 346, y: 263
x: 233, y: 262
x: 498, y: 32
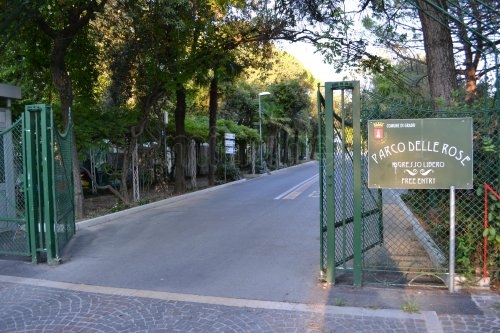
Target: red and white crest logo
x: 378, y: 130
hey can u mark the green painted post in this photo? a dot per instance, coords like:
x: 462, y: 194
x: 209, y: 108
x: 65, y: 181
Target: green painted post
x: 29, y: 181
x: 343, y: 185
x: 48, y: 181
x: 34, y: 181
x: 321, y: 114
x: 358, y: 200
x: 330, y: 195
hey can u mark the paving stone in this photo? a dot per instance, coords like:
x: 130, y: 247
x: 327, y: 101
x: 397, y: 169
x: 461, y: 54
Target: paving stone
x: 32, y: 308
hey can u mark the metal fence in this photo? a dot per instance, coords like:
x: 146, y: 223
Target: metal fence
x: 413, y: 247
x: 13, y: 226
x: 37, y: 215
x: 417, y: 241
x: 63, y: 188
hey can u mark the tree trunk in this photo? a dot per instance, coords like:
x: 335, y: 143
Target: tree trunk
x: 285, y: 148
x: 64, y: 87
x: 242, y: 153
x: 296, y: 147
x: 180, y: 140
x: 61, y: 41
x: 471, y: 57
x: 439, y: 52
x: 471, y: 62
x: 314, y: 143
x: 60, y: 76
x: 212, y: 131
x: 127, y: 155
x: 271, y: 141
x: 470, y: 84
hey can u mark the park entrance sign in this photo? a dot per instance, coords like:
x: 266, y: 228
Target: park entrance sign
x: 428, y: 153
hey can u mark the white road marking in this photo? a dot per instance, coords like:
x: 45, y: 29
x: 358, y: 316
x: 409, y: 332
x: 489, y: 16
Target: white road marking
x: 314, y: 194
x: 297, y: 189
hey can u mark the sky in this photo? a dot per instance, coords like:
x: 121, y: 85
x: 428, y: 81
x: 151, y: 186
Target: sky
x: 312, y: 61
x: 304, y: 52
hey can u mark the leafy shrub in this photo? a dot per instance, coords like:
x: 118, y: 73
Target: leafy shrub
x: 228, y: 173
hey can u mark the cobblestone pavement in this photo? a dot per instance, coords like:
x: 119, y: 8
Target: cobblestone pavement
x: 31, y: 305
x: 488, y: 322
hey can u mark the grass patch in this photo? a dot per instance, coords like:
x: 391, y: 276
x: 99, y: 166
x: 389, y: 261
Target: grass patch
x: 410, y: 307
x: 339, y: 301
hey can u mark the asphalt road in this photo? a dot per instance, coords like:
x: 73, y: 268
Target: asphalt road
x: 255, y: 239
x: 242, y: 257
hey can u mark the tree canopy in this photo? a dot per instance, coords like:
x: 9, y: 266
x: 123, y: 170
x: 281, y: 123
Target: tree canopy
x: 119, y: 65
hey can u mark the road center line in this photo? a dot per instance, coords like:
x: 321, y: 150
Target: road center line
x: 293, y: 192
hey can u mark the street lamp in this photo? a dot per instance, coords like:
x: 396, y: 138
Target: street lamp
x: 264, y: 93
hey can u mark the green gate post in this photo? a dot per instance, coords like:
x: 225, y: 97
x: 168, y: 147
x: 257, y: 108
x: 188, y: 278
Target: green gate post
x: 32, y: 184
x: 329, y: 165
x: 48, y: 183
x: 354, y: 86
x: 39, y: 182
x: 330, y: 190
x: 358, y: 200
x: 321, y: 115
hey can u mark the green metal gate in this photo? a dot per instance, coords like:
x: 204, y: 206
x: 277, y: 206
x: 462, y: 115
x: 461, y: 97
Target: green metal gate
x: 13, y: 223
x: 350, y: 213
x: 398, y: 236
x: 36, y: 167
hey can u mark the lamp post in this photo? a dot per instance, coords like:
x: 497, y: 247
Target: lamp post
x: 264, y: 93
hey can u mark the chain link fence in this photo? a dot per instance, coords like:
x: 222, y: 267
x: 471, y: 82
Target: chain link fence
x: 64, y: 193
x: 408, y: 243
x: 416, y: 222
x: 36, y: 187
x: 13, y: 227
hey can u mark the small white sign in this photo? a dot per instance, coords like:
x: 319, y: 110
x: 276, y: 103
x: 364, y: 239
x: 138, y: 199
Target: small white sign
x: 229, y: 143
x: 230, y: 136
x: 230, y: 150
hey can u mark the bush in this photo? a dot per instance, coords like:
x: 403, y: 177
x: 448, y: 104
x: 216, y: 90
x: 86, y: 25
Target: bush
x: 228, y: 173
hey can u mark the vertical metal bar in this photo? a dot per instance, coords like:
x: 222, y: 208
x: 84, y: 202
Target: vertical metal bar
x: 52, y: 182
x: 49, y: 222
x: 330, y: 170
x: 451, y: 285
x: 33, y: 181
x: 358, y: 223
x: 23, y: 187
x: 38, y: 178
x: 28, y: 185
x: 497, y: 101
x: 44, y: 190
x: 345, y: 182
x: 321, y: 178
